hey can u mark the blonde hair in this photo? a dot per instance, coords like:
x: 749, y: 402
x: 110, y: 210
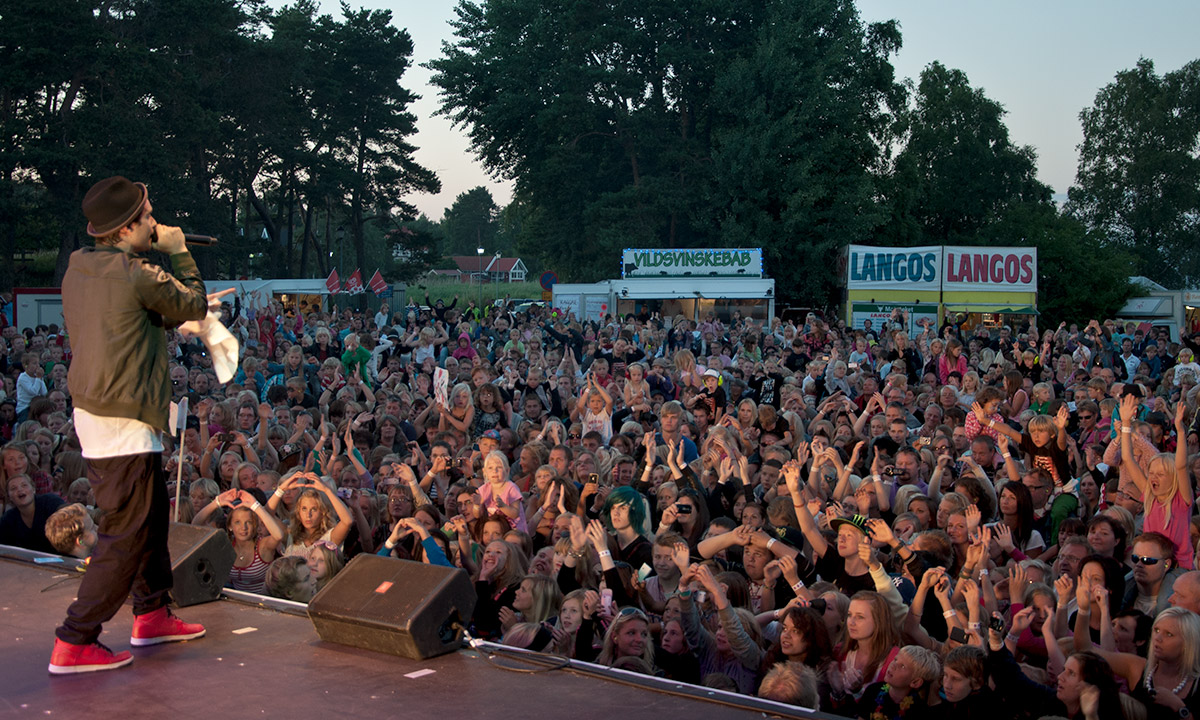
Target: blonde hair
x: 926, y: 664
x: 1189, y: 628
x: 627, y: 615
x: 1167, y: 461
x: 296, y: 528
x: 547, y: 597
x: 1041, y: 422
x: 333, y: 562
x: 791, y: 683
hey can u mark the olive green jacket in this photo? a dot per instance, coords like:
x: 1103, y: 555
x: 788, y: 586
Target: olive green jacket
x: 117, y: 308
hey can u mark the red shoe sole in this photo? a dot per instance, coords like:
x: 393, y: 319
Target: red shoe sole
x: 143, y: 642
x: 76, y: 669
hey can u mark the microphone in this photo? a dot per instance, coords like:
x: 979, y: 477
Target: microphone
x: 198, y: 240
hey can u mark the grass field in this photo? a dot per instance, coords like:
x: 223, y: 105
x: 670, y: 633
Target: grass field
x: 445, y: 291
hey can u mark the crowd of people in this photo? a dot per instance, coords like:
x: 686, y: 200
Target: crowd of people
x: 893, y: 522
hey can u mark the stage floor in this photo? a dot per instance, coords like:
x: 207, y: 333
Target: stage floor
x: 256, y: 663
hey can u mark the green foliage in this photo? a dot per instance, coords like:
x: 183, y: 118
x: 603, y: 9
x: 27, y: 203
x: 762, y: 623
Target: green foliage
x: 241, y: 119
x: 472, y: 222
x: 1138, y: 181
x: 957, y: 171
x: 795, y: 137
x: 710, y: 123
x: 415, y: 250
x: 1079, y: 277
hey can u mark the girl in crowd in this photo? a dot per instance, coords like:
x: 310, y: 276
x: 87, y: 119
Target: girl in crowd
x: 244, y: 519
x: 872, y: 641
x: 324, y: 562
x: 310, y: 521
x: 735, y: 649
x: 16, y: 461
x: 1015, y: 533
x: 499, y: 494
x: 628, y: 636
x: 803, y: 638
x: 1166, y: 487
x: 624, y: 515
x: 500, y: 573
x: 536, y: 600
x: 1167, y: 679
x: 461, y: 414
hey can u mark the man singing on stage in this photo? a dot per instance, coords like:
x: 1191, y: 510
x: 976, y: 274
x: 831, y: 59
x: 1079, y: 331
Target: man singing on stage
x: 118, y: 308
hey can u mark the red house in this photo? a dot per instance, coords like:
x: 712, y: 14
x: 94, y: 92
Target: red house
x: 489, y: 268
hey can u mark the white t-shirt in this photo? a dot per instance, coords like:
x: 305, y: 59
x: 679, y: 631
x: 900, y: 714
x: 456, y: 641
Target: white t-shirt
x: 601, y: 423
x: 104, y: 437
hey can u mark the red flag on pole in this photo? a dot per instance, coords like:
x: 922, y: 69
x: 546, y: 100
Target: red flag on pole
x: 332, y: 283
x: 354, y: 283
x: 377, y: 284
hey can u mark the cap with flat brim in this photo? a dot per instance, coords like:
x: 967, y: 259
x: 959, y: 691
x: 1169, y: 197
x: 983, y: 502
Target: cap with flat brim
x: 112, y: 204
x: 858, y: 522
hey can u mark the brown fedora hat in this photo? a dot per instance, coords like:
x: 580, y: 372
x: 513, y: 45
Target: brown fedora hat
x: 111, y: 204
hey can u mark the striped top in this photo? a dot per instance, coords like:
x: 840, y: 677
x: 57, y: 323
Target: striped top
x: 251, y: 578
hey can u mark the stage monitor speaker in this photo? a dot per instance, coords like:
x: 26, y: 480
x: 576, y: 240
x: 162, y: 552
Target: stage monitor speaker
x: 394, y: 606
x: 201, y: 558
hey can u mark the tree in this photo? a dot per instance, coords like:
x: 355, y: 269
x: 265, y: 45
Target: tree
x: 415, y: 249
x: 624, y: 123
x: 366, y: 116
x: 472, y: 222
x: 1138, y: 180
x: 796, y: 137
x: 1079, y: 276
x: 956, y: 171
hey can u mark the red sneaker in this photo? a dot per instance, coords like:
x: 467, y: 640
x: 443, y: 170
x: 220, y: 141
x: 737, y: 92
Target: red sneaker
x: 161, y: 626
x: 68, y: 659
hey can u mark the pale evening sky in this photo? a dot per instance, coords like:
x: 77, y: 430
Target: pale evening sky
x: 1043, y: 61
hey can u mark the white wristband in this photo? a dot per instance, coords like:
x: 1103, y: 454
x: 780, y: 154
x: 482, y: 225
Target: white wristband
x: 798, y: 586
x: 255, y: 506
x: 1007, y: 455
x: 771, y: 543
x: 278, y: 492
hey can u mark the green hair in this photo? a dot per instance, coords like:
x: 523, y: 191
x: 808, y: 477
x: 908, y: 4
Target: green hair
x: 637, y: 508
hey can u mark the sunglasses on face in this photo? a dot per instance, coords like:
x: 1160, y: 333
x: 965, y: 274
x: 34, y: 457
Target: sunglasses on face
x: 1143, y: 560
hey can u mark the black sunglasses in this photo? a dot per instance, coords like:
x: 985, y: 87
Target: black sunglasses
x: 1142, y: 560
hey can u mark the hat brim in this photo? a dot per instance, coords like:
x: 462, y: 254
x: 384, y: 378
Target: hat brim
x: 837, y: 523
x: 122, y: 222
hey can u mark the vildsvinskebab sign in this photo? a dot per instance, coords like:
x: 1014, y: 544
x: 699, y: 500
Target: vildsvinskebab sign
x: 659, y: 262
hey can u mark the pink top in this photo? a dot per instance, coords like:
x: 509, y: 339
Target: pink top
x: 944, y: 367
x: 1177, y: 529
x: 510, y: 495
x: 973, y: 427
